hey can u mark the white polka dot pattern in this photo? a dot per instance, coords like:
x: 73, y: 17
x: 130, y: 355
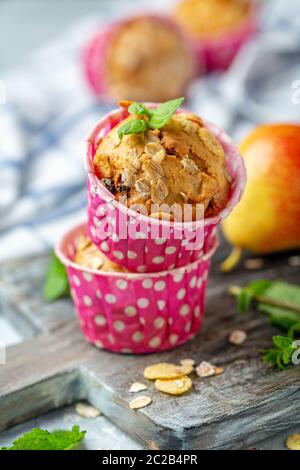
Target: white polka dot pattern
x: 100, y: 320
x: 118, y: 254
x: 159, y: 286
x: 88, y: 277
x: 143, y: 303
x: 147, y: 283
x: 131, y: 254
x: 122, y: 284
x: 110, y: 298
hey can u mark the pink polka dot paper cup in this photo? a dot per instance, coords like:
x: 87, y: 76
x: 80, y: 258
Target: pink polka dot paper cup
x: 136, y: 313
x: 144, y: 244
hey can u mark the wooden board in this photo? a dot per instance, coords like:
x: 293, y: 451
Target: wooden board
x: 55, y: 367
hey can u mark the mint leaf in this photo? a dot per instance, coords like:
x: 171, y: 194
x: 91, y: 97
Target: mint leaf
x: 56, y: 284
x: 140, y: 109
x: 162, y: 114
x: 282, y: 317
x: 281, y: 354
x: 40, y: 439
x: 134, y: 126
x: 282, y: 342
x: 248, y: 293
x: 294, y: 329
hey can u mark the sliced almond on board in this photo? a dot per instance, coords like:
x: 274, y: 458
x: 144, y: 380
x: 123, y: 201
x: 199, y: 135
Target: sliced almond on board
x: 137, y: 387
x: 86, y: 411
x: 187, y: 362
x: 237, y: 337
x: 253, y: 263
x: 140, y: 402
x: 206, y: 369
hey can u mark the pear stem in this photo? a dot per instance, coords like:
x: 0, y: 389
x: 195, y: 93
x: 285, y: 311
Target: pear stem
x: 232, y: 260
x: 236, y: 290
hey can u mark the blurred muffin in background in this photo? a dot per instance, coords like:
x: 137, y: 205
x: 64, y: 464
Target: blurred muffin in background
x: 90, y: 257
x: 210, y: 18
x: 145, y: 58
x: 217, y: 28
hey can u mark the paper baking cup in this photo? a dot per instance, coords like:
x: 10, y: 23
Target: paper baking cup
x: 218, y: 53
x: 173, y: 244
x: 136, y: 313
x: 96, y: 52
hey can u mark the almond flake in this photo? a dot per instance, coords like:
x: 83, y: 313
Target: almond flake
x: 137, y: 387
x: 133, y: 158
x: 187, y: 362
x: 140, y: 402
x: 190, y: 166
x: 254, y: 263
x: 206, y: 369
x: 153, y: 170
x: 237, y: 337
x: 159, y: 156
x: 159, y: 191
x: 128, y: 178
x: 294, y: 261
x: 86, y: 411
x: 143, y: 188
x: 153, y: 148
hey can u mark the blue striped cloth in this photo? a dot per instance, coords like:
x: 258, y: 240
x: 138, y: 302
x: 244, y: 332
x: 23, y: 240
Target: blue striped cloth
x: 49, y: 111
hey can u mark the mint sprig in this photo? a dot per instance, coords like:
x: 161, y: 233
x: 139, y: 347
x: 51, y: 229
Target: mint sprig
x: 56, y: 283
x: 40, y: 439
x: 282, y: 353
x: 281, y: 302
x: 151, y: 118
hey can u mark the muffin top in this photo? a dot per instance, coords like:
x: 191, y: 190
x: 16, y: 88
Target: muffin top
x: 180, y: 163
x: 209, y: 18
x: 147, y: 61
x: 90, y: 257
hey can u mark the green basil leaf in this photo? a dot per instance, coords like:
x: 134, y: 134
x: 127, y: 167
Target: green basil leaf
x: 56, y: 284
x: 140, y: 109
x: 162, y: 114
x: 134, y: 126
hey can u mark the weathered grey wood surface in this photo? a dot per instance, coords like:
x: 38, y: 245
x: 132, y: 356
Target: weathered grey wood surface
x: 55, y: 366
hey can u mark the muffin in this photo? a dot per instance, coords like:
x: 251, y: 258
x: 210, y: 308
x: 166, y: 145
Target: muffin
x: 144, y: 59
x: 88, y: 256
x: 164, y: 169
x: 205, y: 19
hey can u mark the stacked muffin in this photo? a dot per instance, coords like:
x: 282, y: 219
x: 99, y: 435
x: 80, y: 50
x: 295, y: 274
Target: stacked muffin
x: 139, y: 269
